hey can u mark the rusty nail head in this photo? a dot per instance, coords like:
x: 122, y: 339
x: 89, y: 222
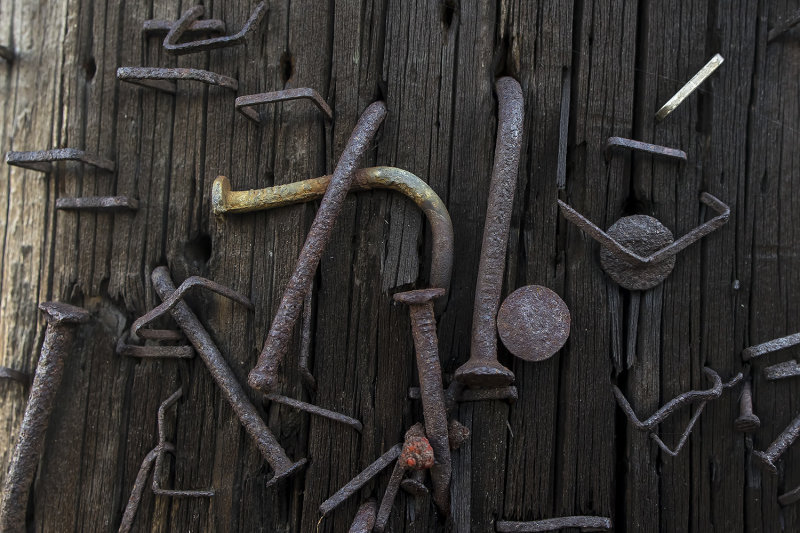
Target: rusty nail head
x: 779, y: 445
x: 365, y: 517
x: 198, y: 27
x: 643, y: 235
x: 774, y: 345
x: 584, y: 523
x: 533, y: 323
x: 786, y: 369
x: 747, y: 421
x: 98, y: 203
x: 41, y: 160
x: 191, y: 15
x: 163, y: 79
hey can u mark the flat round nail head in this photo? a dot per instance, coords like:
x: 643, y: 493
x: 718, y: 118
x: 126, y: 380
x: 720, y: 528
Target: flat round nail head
x: 533, y: 323
x: 61, y: 313
x: 419, y: 296
x: 643, y: 235
x: 747, y: 423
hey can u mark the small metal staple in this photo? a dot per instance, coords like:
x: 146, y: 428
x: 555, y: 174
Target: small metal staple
x: 188, y: 19
x: 585, y: 523
x: 41, y: 160
x: 163, y: 79
x: 244, y: 103
x: 198, y: 27
x: 770, y: 346
x: 708, y: 69
x: 98, y: 203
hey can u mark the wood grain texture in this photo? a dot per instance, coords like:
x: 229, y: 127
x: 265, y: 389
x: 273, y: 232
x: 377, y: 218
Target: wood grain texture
x: 589, y: 70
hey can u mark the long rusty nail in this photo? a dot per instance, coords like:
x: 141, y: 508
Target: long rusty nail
x: 42, y: 160
x: 365, y: 517
x: 264, y: 375
x: 585, y: 523
x: 7, y: 53
x: 224, y: 201
x: 783, y: 26
x: 265, y: 441
x: 198, y: 27
x: 188, y: 19
x: 483, y: 370
x: 361, y: 479
x: 690, y: 87
x: 98, y: 203
x: 163, y: 79
x: 639, y: 146
x: 779, y: 445
x: 244, y: 103
x: 315, y: 410
x: 62, y: 320
x: 786, y: 369
x: 774, y: 345
x: 434, y: 410
x: 747, y: 421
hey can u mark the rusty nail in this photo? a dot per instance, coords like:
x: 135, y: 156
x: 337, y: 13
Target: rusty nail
x: 138, y: 489
x: 244, y: 103
x: 305, y: 341
x: 676, y: 403
x: 533, y: 323
x: 483, y: 370
x: 639, y: 146
x: 423, y: 329
x: 585, y: 523
x: 787, y: 369
x: 365, y: 517
x: 163, y: 79
x: 41, y: 160
x: 788, y: 498
x: 747, y: 421
x: 783, y: 26
x: 770, y: 346
x: 415, y: 484
x: 7, y: 53
x: 98, y: 203
x: 315, y: 410
x: 224, y: 200
x: 776, y: 449
x: 690, y: 87
x: 15, y: 375
x: 360, y: 480
x: 264, y: 375
x: 62, y: 320
x: 507, y: 393
x: 198, y: 27
x: 191, y: 15
x: 265, y: 441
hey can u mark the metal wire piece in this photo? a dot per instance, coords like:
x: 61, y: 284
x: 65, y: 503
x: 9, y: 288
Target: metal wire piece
x: 783, y: 26
x: 708, y: 69
x: 585, y: 523
x: 172, y: 300
x: 98, y: 203
x: 314, y: 410
x: 770, y: 346
x: 189, y: 17
x: 198, y: 27
x: 702, y: 396
x: 639, y: 146
x: 787, y: 369
x: 41, y: 160
x: 244, y: 103
x: 160, y: 78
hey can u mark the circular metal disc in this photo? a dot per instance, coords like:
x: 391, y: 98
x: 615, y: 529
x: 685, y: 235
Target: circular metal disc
x: 643, y: 235
x: 533, y: 323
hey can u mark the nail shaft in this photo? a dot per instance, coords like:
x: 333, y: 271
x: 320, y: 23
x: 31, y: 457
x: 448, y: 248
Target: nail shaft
x: 15, y: 375
x: 770, y: 346
x: 264, y: 376
x: 388, y: 497
x: 245, y: 103
x: 508, y: 393
x: 585, y: 523
x: 314, y: 410
x: 779, y: 446
x: 188, y: 19
x: 639, y: 146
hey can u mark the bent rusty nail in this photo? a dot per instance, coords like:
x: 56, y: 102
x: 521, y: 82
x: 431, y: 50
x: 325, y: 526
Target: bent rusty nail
x: 315, y: 410
x: 365, y: 517
x: 136, y: 492
x: 305, y: 342
x: 747, y: 421
x: 198, y: 27
x: 690, y: 87
x: 360, y: 480
x: 98, y: 203
x: 639, y: 146
x: 483, y: 370
x: 163, y: 79
x: 783, y: 26
x: 264, y: 375
x: 417, y: 454
x: 787, y: 369
x: 507, y: 393
x: 191, y: 15
x: 170, y: 302
x: 264, y: 440
x: 15, y: 375
x: 434, y: 410
x: 770, y: 346
x: 41, y: 160
x: 585, y: 523
x: 7, y: 53
x: 244, y: 103
x: 788, y: 498
x: 62, y: 321
x: 224, y: 200
x: 779, y: 445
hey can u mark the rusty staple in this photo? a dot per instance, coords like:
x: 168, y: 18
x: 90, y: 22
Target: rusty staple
x: 15, y: 375
x: 138, y: 490
x: 198, y: 27
x: 244, y: 103
x: 62, y: 321
x: 191, y: 15
x: 783, y: 26
x: 264, y: 375
x: 315, y: 410
x: 690, y: 86
x: 163, y: 79
x: 584, y: 523
x: 41, y: 160
x: 98, y: 203
x: 265, y: 441
x: 779, y: 445
x: 365, y: 517
x: 7, y: 53
x: 770, y: 346
x: 639, y: 146
x: 483, y: 370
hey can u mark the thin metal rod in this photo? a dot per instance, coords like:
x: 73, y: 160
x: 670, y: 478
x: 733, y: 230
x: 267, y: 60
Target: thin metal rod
x: 41, y: 160
x: 244, y: 103
x: 708, y: 69
x: 639, y: 146
x: 315, y: 410
x: 191, y: 15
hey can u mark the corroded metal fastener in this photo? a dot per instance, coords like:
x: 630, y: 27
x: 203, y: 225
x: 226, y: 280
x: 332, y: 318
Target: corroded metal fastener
x: 702, y: 396
x: 365, y: 517
x: 264, y: 375
x: 7, y: 53
x: 786, y: 369
x: 42, y: 160
x: 708, y: 69
x: 163, y: 79
x: 62, y: 320
x: 191, y: 15
x: 780, y: 445
x: 639, y: 146
x: 315, y: 410
x: 585, y: 523
x: 434, y: 410
x: 483, y: 369
x: 770, y: 346
x: 98, y: 203
x: 265, y: 441
x: 224, y: 201
x: 15, y: 375
x: 747, y: 421
x: 244, y: 103
x: 198, y: 27
x: 783, y: 26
